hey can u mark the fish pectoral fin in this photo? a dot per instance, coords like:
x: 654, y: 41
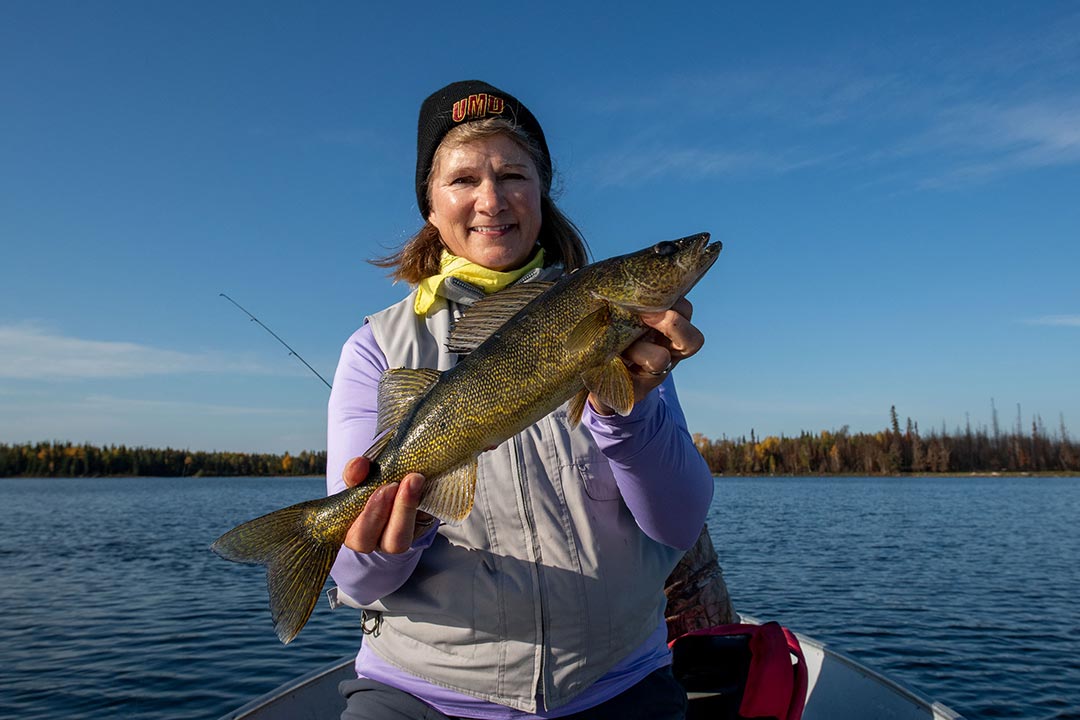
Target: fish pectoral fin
x: 377, y: 447
x: 449, y: 496
x: 484, y: 317
x: 612, y: 385
x: 589, y: 330
x: 399, y: 389
x: 576, y: 407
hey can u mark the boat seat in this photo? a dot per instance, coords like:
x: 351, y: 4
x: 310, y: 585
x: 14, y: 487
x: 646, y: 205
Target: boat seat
x: 713, y: 669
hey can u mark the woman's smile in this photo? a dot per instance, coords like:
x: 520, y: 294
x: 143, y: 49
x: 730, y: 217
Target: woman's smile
x: 485, y: 202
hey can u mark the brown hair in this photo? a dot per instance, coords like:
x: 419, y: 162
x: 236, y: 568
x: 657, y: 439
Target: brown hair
x: 419, y: 257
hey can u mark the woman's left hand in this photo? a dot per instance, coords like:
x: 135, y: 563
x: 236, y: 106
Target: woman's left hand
x: 672, y: 339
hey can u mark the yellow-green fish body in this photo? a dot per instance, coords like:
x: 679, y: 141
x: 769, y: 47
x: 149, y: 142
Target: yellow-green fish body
x: 529, y: 349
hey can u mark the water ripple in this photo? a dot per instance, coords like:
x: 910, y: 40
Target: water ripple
x: 962, y: 588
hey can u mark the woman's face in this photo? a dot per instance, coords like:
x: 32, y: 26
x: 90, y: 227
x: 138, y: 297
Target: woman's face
x: 485, y: 201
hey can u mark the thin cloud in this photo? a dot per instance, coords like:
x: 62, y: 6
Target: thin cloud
x: 631, y: 168
x: 1045, y: 133
x: 28, y: 352
x: 634, y: 167
x: 924, y: 128
x: 985, y: 141
x: 112, y: 403
x: 68, y: 407
x: 789, y: 96
x: 1056, y: 320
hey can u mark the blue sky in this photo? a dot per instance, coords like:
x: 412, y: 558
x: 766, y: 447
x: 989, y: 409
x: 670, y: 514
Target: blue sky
x: 897, y: 186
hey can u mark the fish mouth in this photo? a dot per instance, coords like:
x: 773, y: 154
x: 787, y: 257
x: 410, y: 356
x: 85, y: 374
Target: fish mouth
x: 704, y: 248
x: 697, y: 247
x: 699, y: 255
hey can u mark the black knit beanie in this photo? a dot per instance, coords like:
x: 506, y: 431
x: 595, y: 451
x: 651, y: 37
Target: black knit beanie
x: 461, y: 102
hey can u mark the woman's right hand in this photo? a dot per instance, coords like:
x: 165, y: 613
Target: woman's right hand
x: 390, y: 521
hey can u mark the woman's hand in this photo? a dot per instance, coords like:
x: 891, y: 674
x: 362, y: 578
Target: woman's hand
x: 390, y: 521
x: 649, y: 359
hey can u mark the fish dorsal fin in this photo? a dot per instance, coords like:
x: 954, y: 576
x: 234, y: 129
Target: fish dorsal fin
x: 486, y: 316
x: 612, y: 385
x: 449, y: 496
x: 589, y: 330
x: 399, y: 389
x: 576, y: 408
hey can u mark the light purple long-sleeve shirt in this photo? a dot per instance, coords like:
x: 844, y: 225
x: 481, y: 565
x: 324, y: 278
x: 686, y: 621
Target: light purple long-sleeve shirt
x: 661, y: 477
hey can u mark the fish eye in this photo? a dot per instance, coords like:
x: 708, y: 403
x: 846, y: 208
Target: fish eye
x: 664, y: 249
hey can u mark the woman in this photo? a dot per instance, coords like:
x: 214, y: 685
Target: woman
x: 547, y: 601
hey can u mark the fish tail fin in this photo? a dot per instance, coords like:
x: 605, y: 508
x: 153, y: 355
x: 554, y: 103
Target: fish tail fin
x: 297, y: 560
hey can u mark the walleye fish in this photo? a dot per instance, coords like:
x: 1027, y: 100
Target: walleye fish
x: 530, y: 348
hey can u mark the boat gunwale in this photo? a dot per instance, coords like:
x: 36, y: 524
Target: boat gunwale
x: 290, y: 686
x: 940, y: 711
x: 898, y: 688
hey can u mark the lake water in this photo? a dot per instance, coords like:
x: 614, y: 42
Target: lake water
x: 963, y: 588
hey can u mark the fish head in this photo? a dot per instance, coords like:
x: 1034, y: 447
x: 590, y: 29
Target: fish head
x: 652, y: 279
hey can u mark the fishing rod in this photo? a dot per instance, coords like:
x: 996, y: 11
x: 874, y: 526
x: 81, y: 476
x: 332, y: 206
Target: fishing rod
x: 291, y: 351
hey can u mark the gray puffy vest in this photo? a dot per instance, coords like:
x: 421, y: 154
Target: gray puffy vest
x: 546, y: 584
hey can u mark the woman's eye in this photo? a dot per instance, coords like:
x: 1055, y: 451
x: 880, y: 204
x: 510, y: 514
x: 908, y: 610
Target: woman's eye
x: 462, y: 180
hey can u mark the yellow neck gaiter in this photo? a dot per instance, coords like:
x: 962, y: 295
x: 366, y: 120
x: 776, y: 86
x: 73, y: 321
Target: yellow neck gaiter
x: 487, y: 280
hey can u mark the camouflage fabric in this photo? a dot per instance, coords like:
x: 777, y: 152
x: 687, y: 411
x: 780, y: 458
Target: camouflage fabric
x: 696, y: 592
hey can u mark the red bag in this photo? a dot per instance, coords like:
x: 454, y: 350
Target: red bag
x: 764, y: 662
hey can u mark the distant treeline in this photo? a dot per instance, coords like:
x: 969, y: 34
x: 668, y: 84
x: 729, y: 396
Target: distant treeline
x: 895, y: 451
x: 55, y: 459
x: 892, y: 451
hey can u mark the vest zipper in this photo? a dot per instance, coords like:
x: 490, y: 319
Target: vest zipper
x: 518, y: 464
